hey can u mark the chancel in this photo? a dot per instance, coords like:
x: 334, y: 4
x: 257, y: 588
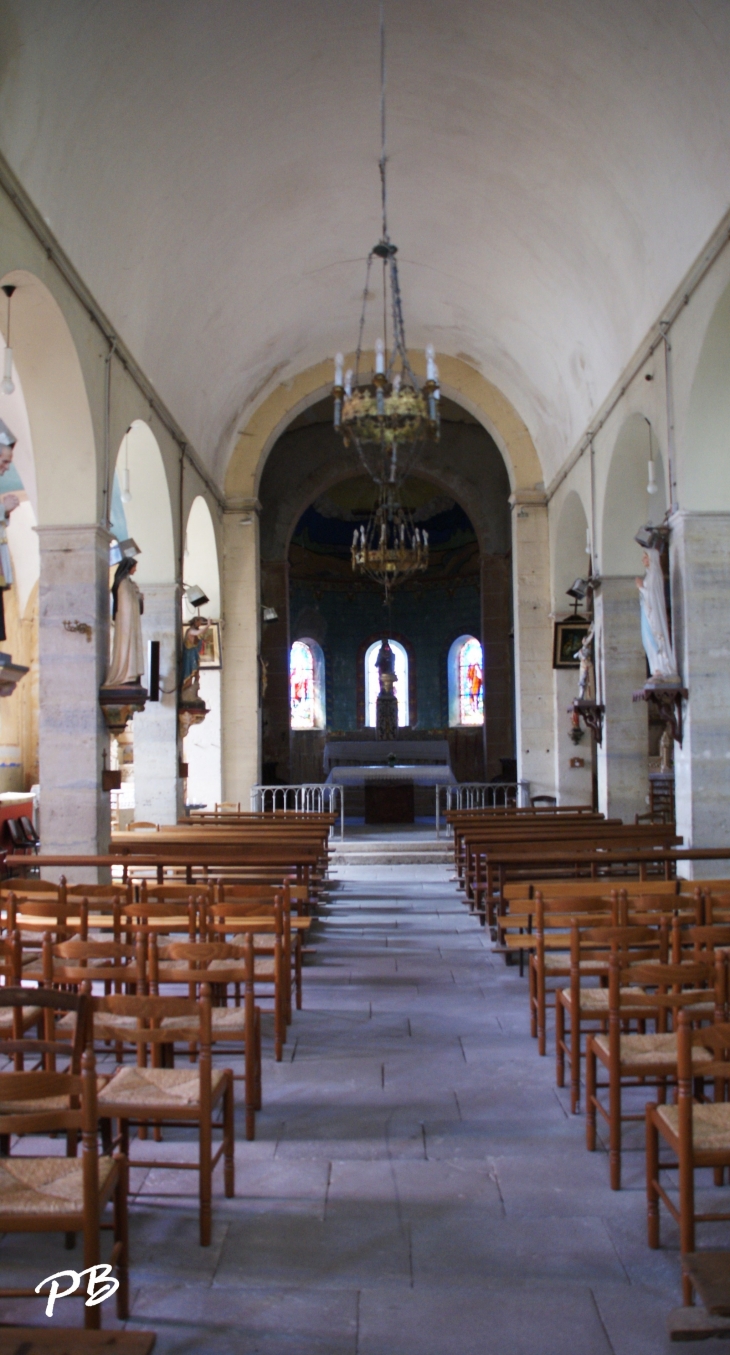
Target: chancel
x: 365, y: 719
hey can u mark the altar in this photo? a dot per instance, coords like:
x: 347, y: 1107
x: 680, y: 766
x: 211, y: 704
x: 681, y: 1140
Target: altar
x: 389, y: 790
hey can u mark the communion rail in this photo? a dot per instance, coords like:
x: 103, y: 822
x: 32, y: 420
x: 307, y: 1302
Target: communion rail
x: 480, y: 795
x: 304, y: 799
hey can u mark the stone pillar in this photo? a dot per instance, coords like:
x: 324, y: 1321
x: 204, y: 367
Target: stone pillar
x: 241, y: 714
x: 623, y: 766
x: 498, y: 679
x: 700, y: 561
x: 275, y: 655
x: 533, y: 641
x: 574, y: 784
x: 157, y: 785
x: 73, y: 589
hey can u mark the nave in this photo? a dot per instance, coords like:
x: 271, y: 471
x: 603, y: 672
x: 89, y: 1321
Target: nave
x: 415, y: 1173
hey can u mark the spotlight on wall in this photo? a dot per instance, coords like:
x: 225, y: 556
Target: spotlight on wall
x: 270, y: 613
x: 7, y: 386
x: 195, y: 595
x: 578, y: 589
x: 652, y: 538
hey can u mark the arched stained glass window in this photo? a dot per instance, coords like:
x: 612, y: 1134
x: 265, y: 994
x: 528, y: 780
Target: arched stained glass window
x: 466, y: 682
x: 372, y: 682
x: 306, y: 685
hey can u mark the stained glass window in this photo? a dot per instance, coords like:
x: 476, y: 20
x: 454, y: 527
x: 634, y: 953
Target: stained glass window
x: 372, y: 682
x: 301, y: 680
x: 466, y: 682
x: 471, y: 683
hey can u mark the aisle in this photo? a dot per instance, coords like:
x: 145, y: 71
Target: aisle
x: 417, y: 1186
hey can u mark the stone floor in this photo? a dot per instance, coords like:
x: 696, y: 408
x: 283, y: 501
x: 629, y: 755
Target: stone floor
x: 417, y: 1186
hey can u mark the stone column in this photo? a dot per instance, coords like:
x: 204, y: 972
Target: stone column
x: 533, y: 641
x: 73, y: 590
x: 241, y: 713
x: 157, y: 785
x: 700, y: 562
x: 623, y: 766
x: 574, y: 784
x: 275, y: 655
x: 498, y: 679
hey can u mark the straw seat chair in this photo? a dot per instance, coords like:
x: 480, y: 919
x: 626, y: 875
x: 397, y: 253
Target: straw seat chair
x: 221, y: 966
x: 631, y: 1059
x: 697, y: 1132
x: 69, y: 1194
x: 144, y: 1095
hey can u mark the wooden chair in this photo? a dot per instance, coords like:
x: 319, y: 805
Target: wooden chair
x: 644, y: 1059
x: 220, y: 966
x: 121, y: 968
x: 172, y: 1096
x: 580, y: 1007
x: 231, y: 922
x: 551, y: 957
x: 697, y: 1132
x: 61, y: 1194
x: 15, y: 1020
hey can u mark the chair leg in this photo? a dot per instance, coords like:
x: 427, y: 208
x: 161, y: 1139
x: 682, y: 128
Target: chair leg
x: 257, y: 1046
x: 590, y: 1096
x: 533, y: 999
x: 614, y: 1131
x: 205, y: 1179
x: 121, y: 1236
x: 559, y: 1041
x: 686, y: 1213
x: 229, y: 1165
x: 574, y: 1061
x: 652, y: 1178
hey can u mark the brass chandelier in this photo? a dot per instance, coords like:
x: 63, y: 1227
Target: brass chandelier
x: 388, y: 418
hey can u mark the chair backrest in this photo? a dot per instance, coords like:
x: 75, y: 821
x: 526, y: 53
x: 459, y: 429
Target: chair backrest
x: 50, y: 1001
x: 186, y: 962
x: 150, y: 1011
x: 87, y: 962
x: 80, y: 1114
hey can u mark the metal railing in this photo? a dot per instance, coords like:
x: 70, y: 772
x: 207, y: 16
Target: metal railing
x: 481, y: 795
x: 304, y: 799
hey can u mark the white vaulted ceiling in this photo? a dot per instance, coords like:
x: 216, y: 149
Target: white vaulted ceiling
x: 210, y: 166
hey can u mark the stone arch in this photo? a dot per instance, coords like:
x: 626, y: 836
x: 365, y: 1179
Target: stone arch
x: 148, y: 514
x: 55, y: 393
x: 626, y: 503
x: 459, y: 381
x: 569, y: 556
x: 705, y: 461
x: 200, y: 561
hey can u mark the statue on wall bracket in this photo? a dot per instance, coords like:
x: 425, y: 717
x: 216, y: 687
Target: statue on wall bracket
x: 663, y: 688
x: 192, y: 709
x: 122, y: 693
x: 10, y: 673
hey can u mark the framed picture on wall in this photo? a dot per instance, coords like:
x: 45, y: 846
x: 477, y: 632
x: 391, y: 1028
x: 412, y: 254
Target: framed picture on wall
x: 210, y: 653
x: 568, y: 638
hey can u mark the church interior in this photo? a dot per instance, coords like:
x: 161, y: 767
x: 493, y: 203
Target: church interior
x: 364, y: 638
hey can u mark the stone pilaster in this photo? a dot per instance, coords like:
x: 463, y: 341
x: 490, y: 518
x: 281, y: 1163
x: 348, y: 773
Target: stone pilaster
x: 275, y: 655
x: 157, y: 786
x: 73, y: 588
x: 533, y: 641
x: 498, y: 678
x: 574, y: 784
x: 241, y: 713
x: 623, y: 766
x: 700, y: 562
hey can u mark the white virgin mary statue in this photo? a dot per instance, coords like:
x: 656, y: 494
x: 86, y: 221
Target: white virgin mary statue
x: 654, y: 623
x: 127, y: 661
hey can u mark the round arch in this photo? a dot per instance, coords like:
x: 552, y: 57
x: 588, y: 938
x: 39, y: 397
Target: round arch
x: 459, y: 381
x: 59, y: 415
x: 200, y: 561
x: 705, y: 480
x: 569, y: 554
x: 147, y: 516
x: 627, y: 505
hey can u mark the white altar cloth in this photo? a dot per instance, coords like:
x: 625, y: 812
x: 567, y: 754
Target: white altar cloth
x: 434, y: 775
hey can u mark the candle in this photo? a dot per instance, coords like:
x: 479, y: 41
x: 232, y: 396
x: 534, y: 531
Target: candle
x: 379, y: 357
x: 348, y: 381
x: 431, y: 371
x: 338, y: 369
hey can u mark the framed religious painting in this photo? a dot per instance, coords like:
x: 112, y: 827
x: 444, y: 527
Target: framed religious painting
x: 210, y: 649
x: 568, y: 638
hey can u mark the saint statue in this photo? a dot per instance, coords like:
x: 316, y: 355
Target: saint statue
x: 127, y: 661
x: 8, y: 502
x: 386, y: 706
x: 192, y: 647
x: 654, y: 624
x: 585, y: 673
